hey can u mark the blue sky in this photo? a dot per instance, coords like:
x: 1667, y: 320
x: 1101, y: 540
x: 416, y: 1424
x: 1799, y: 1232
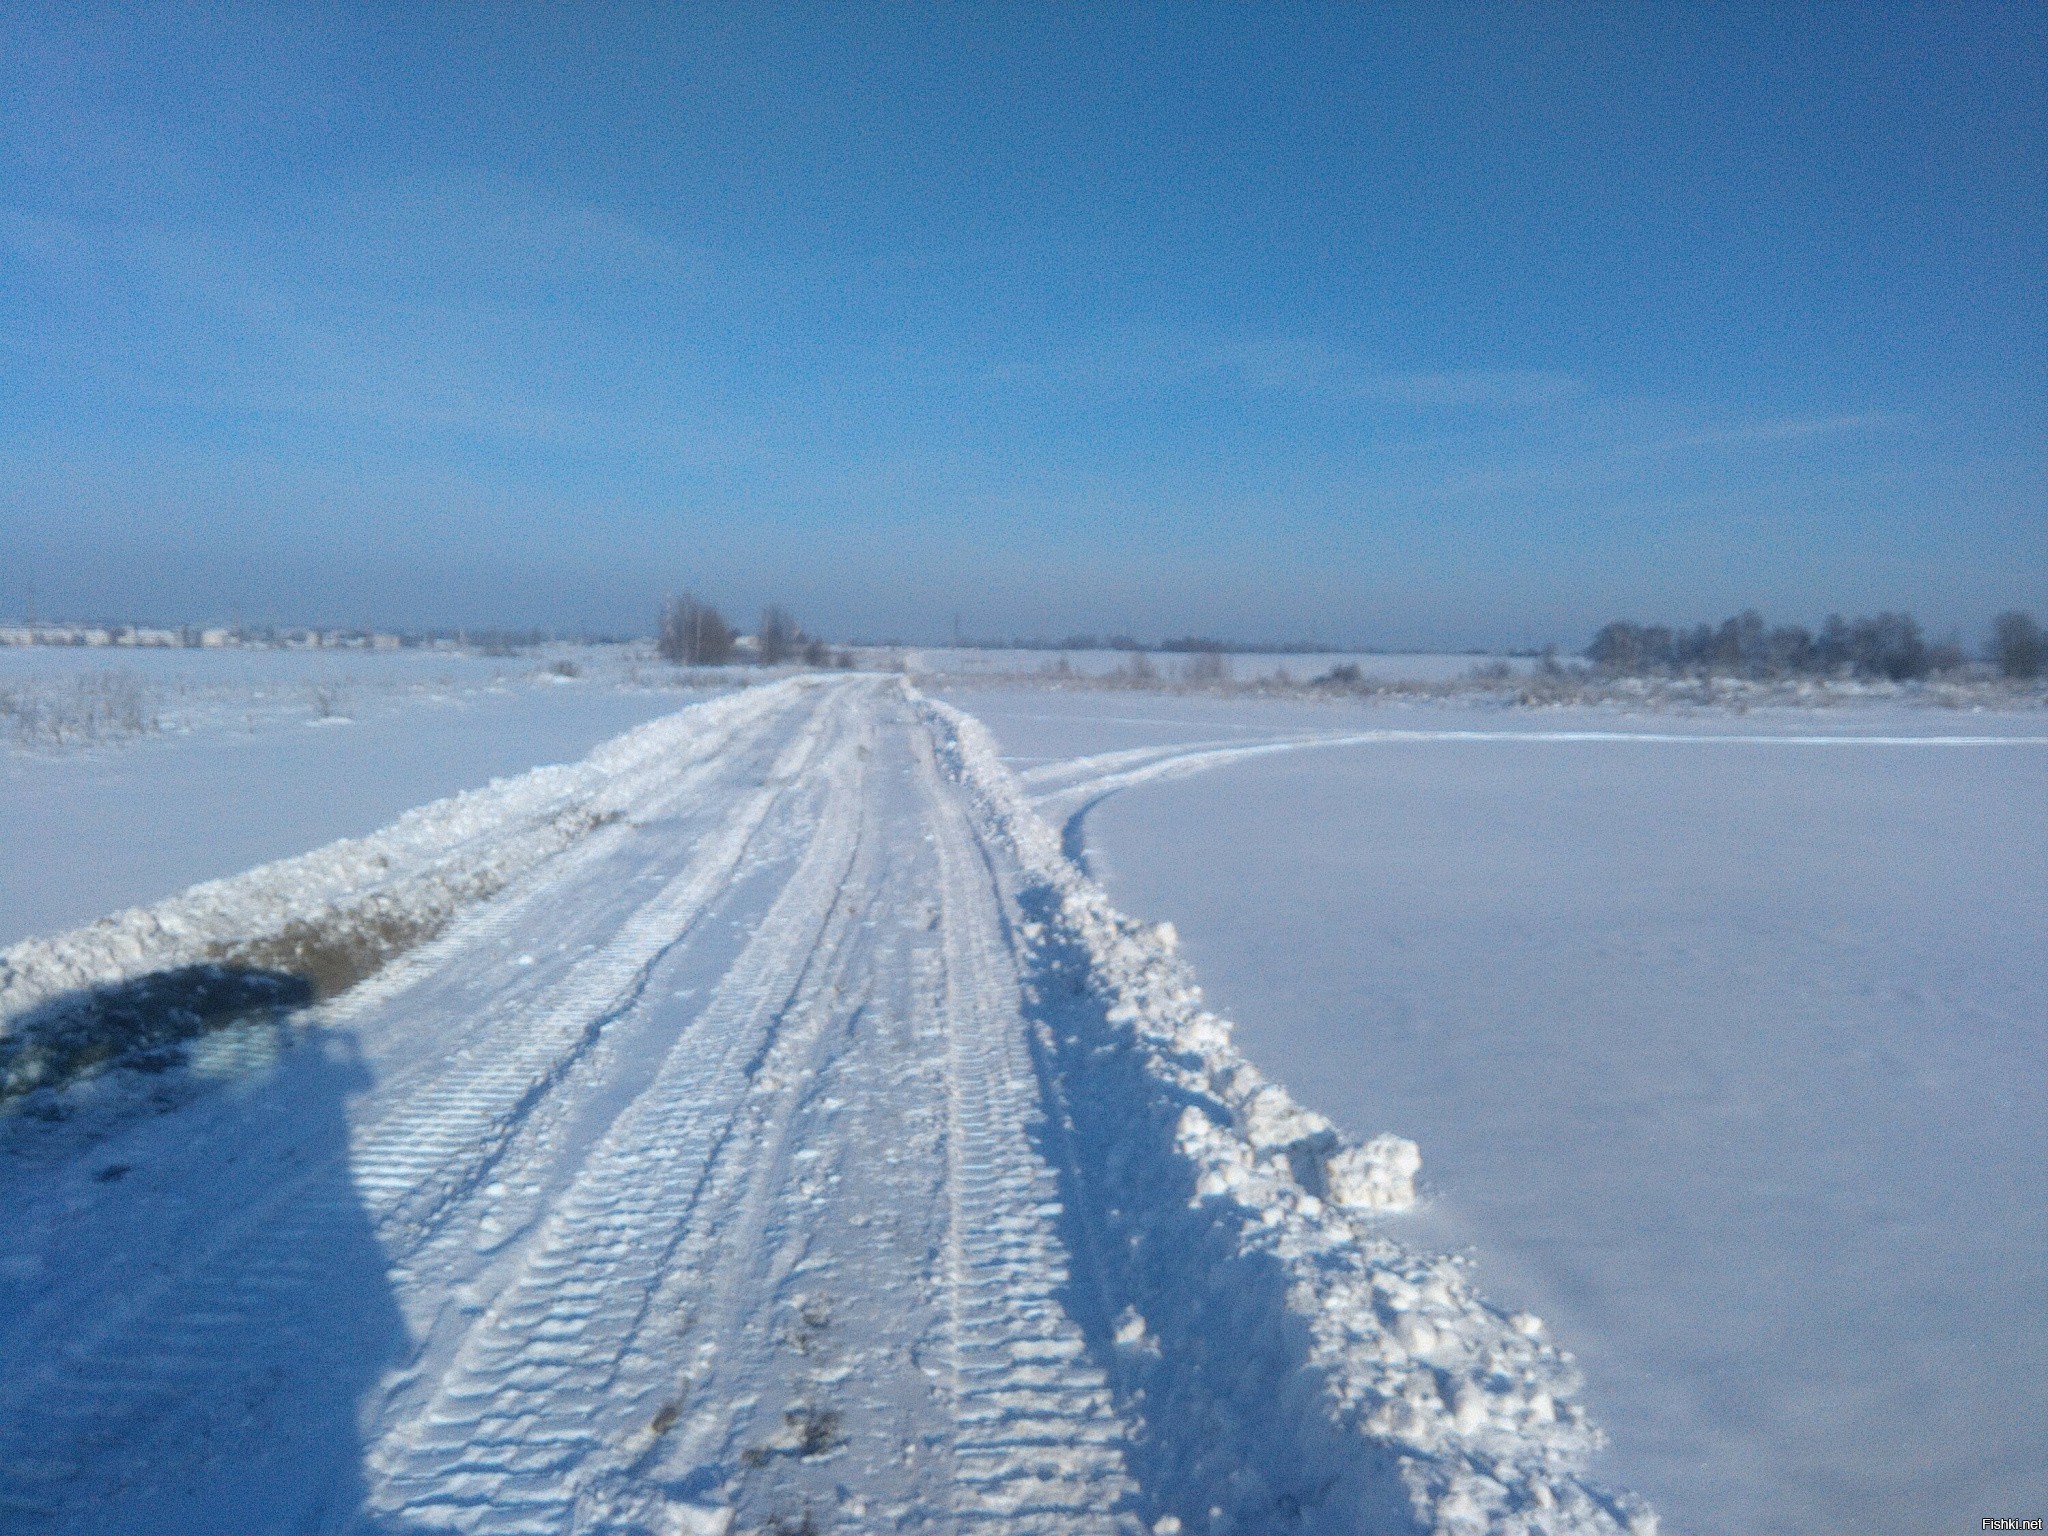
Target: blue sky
x: 1403, y: 326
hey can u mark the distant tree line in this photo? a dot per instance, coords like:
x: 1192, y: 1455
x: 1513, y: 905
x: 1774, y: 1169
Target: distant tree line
x: 1129, y: 644
x: 1887, y: 645
x: 695, y: 634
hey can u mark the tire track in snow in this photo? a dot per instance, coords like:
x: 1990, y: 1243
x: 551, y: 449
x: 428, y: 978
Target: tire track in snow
x: 543, y: 1418
x: 1050, y: 784
x: 411, y: 1165
x: 1065, y: 792
x: 175, y: 1337
x: 712, y: 788
x: 1039, y: 1441
x: 629, y: 1378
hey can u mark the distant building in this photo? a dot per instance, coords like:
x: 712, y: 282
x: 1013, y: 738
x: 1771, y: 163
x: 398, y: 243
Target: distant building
x: 212, y: 637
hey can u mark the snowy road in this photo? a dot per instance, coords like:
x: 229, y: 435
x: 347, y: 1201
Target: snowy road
x: 807, y: 1148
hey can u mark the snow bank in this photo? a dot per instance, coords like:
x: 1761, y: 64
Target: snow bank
x: 330, y: 917
x: 1262, y: 1316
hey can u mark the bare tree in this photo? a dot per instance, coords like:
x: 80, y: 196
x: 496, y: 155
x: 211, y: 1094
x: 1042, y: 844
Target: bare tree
x: 779, y: 635
x: 2018, y: 648
x: 1137, y: 668
x: 694, y: 634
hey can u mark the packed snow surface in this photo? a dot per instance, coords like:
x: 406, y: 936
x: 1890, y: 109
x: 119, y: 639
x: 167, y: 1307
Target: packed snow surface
x: 760, y: 1125
x: 1721, y: 1036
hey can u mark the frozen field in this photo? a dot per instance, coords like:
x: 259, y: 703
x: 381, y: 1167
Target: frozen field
x: 1724, y: 1055
x: 757, y: 1125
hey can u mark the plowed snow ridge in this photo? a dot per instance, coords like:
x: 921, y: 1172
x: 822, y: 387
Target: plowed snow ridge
x: 777, y: 1133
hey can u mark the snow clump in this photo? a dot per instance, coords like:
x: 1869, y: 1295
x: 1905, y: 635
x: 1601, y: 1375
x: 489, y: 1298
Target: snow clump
x: 1379, y: 1176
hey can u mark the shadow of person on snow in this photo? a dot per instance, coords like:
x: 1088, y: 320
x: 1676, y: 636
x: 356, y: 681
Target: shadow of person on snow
x: 194, y: 1305
x: 141, y: 1023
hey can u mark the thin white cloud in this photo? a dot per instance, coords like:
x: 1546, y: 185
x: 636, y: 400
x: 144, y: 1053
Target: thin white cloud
x: 308, y: 325
x: 1783, y: 429
x: 1309, y: 367
x: 1302, y: 367
x: 498, y: 229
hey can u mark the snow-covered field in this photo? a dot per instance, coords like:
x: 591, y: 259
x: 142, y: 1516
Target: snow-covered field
x: 248, y: 756
x: 764, y: 1124
x: 1723, y: 1045
x: 758, y: 1125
